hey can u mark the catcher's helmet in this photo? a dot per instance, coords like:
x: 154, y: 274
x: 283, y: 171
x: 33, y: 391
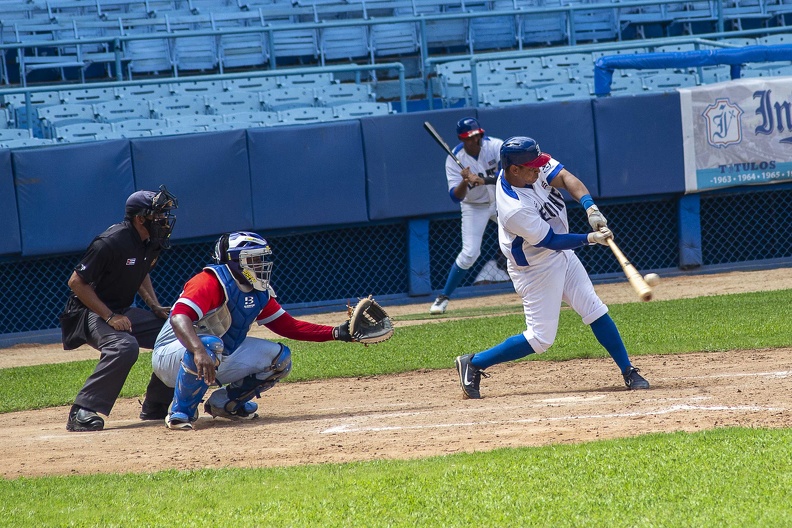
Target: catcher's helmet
x: 468, y: 127
x: 248, y: 257
x: 156, y: 207
x: 521, y: 150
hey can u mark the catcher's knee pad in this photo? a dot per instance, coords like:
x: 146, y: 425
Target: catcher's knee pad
x: 190, y: 389
x: 245, y: 389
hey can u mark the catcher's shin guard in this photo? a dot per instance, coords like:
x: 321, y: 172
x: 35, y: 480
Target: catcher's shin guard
x: 251, y: 386
x: 190, y: 389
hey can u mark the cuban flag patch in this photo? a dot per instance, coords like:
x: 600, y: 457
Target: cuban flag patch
x: 131, y: 262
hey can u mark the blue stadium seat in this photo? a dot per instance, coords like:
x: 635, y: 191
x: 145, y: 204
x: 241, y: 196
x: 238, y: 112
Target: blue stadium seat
x: 193, y: 120
x: 563, y: 92
x: 233, y: 102
x: 306, y: 115
x: 669, y: 81
x: 510, y: 96
x: 343, y: 43
x: 80, y: 132
x: 285, y: 98
x: 253, y: 84
x: 178, y: 105
x: 59, y: 115
x: 339, y: 94
x: 361, y: 109
x: 122, y: 109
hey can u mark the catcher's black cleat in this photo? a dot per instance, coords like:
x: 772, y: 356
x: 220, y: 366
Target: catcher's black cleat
x: 469, y: 377
x: 84, y: 420
x: 633, y: 380
x: 154, y: 411
x: 246, y: 412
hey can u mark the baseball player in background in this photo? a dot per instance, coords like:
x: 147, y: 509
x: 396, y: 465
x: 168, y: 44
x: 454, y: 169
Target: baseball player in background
x: 474, y: 189
x: 533, y: 233
x: 205, y: 339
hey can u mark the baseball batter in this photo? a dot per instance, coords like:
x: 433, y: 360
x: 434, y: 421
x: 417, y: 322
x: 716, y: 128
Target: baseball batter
x: 474, y: 189
x: 533, y: 233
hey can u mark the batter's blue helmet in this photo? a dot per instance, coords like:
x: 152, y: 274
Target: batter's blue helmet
x: 468, y: 127
x: 521, y: 150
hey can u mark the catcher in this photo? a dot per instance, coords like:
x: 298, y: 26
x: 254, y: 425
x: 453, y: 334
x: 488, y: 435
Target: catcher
x: 205, y: 339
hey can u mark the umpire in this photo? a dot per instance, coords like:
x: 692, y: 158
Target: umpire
x: 99, y: 310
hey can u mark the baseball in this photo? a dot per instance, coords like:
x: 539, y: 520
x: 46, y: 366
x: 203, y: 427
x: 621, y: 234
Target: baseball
x: 652, y: 279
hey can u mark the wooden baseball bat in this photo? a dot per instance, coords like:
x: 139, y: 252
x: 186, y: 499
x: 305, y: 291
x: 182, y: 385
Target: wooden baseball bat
x: 637, y: 281
x: 432, y: 132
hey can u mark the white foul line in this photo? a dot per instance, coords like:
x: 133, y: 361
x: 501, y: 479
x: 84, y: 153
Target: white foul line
x: 349, y: 428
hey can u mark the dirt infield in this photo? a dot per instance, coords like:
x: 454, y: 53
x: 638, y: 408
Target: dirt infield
x: 422, y: 413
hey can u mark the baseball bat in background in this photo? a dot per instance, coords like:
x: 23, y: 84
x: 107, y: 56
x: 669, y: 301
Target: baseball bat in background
x: 432, y: 132
x: 637, y: 281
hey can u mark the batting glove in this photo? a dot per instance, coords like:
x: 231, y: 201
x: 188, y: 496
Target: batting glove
x: 596, y: 218
x: 600, y: 236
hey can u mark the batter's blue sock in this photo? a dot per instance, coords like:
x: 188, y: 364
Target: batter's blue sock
x: 513, y: 348
x: 455, y: 276
x: 608, y: 335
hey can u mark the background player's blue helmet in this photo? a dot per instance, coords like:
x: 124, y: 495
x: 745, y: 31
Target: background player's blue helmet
x: 248, y: 257
x: 521, y: 150
x: 468, y: 127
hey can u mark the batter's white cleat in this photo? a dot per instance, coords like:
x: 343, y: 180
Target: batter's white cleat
x: 439, y: 306
x: 633, y: 380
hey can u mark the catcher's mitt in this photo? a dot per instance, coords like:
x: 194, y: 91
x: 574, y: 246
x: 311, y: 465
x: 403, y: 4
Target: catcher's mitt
x: 369, y: 322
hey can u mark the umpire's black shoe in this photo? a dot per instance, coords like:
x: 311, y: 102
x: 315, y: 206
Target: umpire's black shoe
x: 469, y: 377
x: 633, y: 380
x: 154, y: 411
x: 84, y: 420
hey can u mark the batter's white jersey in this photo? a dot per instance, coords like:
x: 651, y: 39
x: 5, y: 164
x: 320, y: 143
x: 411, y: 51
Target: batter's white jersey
x: 487, y: 162
x: 526, y: 214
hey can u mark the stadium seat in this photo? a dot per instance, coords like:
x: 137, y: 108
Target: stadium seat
x: 627, y: 85
x: 595, y: 25
x: 510, y: 96
x: 121, y: 109
x: 233, y: 102
x: 306, y: 115
x: 568, y: 60
x: 197, y: 87
x: 178, y: 105
x: 136, y: 125
x: 80, y: 132
x: 343, y: 43
x: 244, y: 50
x: 669, y: 81
x: 563, y: 92
x: 86, y: 95
x: 295, y: 43
x: 363, y: 109
x: 196, y: 53
x: 262, y: 118
x: 393, y: 39
x: 177, y: 130
x: 25, y: 142
x: 311, y: 80
x: 253, y: 84
x: 14, y: 133
x: 59, y: 115
x: 488, y: 33
x: 286, y: 98
x: 338, y: 94
x: 193, y: 120
x: 544, y: 29
x: 149, y: 56
x: 535, y: 79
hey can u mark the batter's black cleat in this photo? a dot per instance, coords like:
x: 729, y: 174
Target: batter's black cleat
x: 633, y: 380
x: 84, y: 420
x: 154, y: 411
x: 469, y: 377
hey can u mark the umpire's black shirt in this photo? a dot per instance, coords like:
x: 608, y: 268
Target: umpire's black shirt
x: 116, y: 263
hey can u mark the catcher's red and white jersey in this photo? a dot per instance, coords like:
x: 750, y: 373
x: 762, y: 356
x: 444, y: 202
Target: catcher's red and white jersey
x: 526, y: 215
x: 487, y: 162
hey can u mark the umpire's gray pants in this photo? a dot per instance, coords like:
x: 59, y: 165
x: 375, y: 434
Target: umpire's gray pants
x: 119, y: 351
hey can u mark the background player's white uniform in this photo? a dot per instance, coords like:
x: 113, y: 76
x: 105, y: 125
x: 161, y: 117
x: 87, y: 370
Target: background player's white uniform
x: 543, y: 277
x: 478, y: 206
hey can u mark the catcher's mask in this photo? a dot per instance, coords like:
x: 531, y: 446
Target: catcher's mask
x: 248, y: 257
x: 155, y: 208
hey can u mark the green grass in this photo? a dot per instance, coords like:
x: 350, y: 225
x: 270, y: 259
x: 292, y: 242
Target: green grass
x: 727, y: 477
x: 726, y: 322
x: 722, y: 477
